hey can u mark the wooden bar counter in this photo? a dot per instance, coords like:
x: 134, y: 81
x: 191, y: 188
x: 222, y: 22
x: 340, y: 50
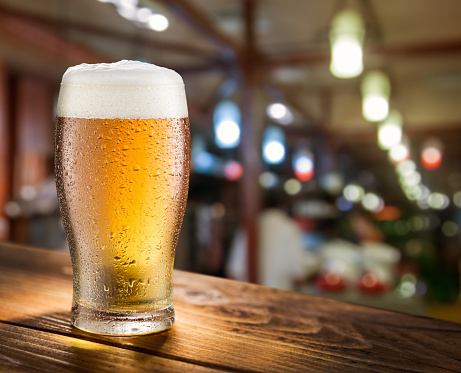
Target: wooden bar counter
x: 221, y: 325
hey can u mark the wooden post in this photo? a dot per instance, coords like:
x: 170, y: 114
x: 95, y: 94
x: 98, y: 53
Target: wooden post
x: 34, y: 132
x: 250, y: 149
x: 5, y: 180
x: 33, y: 146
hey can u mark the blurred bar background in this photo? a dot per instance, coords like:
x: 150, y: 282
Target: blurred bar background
x: 325, y: 136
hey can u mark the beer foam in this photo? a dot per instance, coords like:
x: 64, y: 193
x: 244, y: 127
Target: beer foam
x: 125, y: 89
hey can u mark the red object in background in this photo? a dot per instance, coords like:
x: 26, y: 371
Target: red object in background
x: 233, y: 170
x: 371, y: 284
x: 304, y: 176
x: 330, y: 281
x: 305, y: 224
x: 388, y: 213
x: 431, y: 158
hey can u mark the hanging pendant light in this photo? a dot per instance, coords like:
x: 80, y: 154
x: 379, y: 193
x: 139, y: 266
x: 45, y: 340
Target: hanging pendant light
x: 390, y: 130
x: 273, y: 145
x: 346, y: 39
x: 226, y: 122
x: 376, y: 91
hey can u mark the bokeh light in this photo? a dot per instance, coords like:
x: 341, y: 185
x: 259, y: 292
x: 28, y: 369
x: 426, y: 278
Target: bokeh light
x: 438, y: 201
x: 158, y: 22
x: 292, y: 186
x: 450, y: 228
x: 268, y: 180
x: 353, y: 192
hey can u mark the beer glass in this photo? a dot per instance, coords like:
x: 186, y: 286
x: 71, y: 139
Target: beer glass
x: 122, y: 171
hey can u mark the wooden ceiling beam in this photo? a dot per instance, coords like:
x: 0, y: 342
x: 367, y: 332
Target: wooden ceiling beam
x: 44, y: 42
x: 449, y: 131
x: 45, y: 51
x: 60, y: 24
x: 250, y: 90
x: 433, y: 49
x: 210, y: 66
x: 202, y: 24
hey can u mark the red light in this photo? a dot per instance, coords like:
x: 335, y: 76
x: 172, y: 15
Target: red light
x: 304, y: 176
x: 370, y: 283
x: 431, y: 158
x: 331, y: 281
x: 233, y: 170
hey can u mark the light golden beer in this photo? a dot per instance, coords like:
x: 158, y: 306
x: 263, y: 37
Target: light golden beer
x: 122, y: 186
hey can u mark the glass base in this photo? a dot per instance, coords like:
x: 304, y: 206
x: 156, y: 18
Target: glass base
x: 121, y: 323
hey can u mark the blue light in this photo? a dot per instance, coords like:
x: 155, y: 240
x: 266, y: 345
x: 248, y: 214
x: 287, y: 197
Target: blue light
x: 226, y: 122
x: 273, y: 145
x: 343, y: 204
x: 203, y: 162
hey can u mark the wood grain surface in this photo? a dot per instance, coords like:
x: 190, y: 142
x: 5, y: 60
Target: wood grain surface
x: 221, y: 325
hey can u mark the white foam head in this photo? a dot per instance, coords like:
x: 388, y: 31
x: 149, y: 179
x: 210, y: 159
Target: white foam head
x: 125, y: 89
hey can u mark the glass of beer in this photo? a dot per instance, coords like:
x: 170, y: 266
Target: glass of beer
x: 122, y: 172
